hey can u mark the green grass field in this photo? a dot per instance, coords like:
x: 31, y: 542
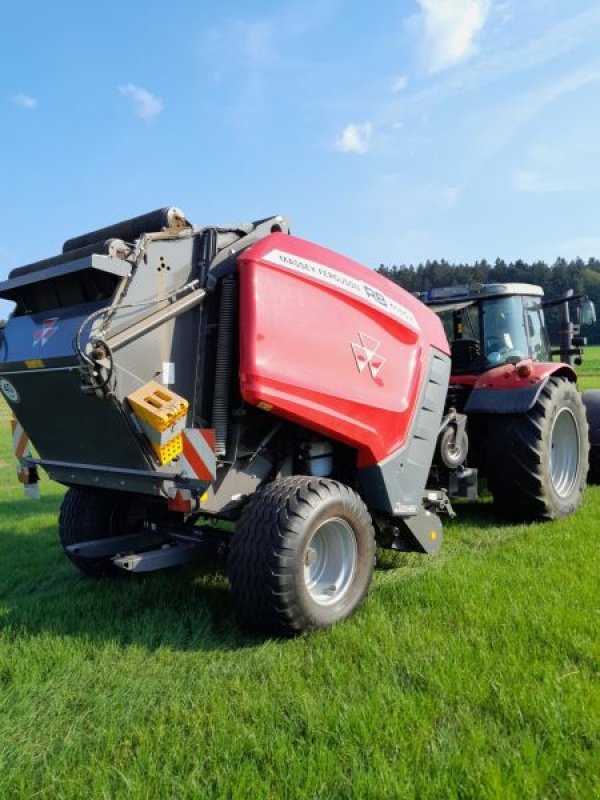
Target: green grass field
x: 470, y: 675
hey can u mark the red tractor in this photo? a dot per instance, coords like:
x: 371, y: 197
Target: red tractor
x: 519, y: 420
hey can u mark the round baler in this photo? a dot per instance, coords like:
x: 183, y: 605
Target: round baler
x: 228, y: 388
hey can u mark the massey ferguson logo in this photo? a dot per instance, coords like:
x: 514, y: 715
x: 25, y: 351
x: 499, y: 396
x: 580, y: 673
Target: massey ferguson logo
x: 366, y: 354
x: 48, y: 329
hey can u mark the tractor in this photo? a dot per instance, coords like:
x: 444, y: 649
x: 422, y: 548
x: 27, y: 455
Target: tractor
x: 520, y: 421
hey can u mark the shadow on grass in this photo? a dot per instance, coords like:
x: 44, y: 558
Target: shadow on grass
x: 477, y: 526
x: 480, y: 514
x: 187, y: 608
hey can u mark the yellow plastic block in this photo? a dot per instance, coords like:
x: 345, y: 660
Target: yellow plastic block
x: 157, y: 406
x: 167, y: 452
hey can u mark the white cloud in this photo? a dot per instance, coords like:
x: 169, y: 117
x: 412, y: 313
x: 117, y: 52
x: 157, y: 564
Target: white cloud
x: 25, y: 101
x: 355, y: 138
x: 255, y: 40
x: 145, y: 104
x: 446, y: 195
x: 262, y: 43
x: 399, y: 83
x: 566, y: 163
x: 450, y: 30
x: 504, y: 11
x: 529, y: 180
x: 532, y: 180
x: 506, y: 120
x: 496, y: 65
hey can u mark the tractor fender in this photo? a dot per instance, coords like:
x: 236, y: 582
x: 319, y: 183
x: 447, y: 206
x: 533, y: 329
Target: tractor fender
x: 503, y: 391
x: 591, y: 401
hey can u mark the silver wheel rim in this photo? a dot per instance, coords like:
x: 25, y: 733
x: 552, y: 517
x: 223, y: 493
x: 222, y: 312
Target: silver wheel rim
x: 564, y: 452
x: 330, y: 561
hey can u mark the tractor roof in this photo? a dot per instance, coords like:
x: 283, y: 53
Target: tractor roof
x: 461, y: 296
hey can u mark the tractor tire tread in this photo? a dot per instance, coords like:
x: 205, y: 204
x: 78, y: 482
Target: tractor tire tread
x: 518, y: 450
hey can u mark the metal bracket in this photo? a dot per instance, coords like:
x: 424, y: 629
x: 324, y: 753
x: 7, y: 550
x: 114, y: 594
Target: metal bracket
x: 115, y: 545
x: 170, y: 555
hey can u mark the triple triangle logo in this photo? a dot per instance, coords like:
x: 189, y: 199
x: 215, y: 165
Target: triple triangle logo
x: 48, y: 329
x: 366, y: 354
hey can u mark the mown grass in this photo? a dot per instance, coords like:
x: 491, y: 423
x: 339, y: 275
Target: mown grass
x: 470, y: 675
x: 589, y: 372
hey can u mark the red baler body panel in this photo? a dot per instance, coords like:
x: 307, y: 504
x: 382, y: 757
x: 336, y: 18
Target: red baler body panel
x: 332, y: 345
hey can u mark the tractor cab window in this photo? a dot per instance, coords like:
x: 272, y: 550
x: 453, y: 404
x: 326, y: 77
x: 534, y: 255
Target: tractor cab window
x: 539, y: 346
x: 463, y: 331
x: 504, y: 333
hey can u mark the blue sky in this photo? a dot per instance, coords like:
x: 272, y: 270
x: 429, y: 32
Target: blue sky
x: 390, y: 131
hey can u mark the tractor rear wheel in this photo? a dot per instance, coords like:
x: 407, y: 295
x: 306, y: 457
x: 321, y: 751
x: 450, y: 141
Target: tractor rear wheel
x: 302, y: 556
x: 594, y: 473
x: 591, y: 401
x: 537, y: 462
x: 86, y: 515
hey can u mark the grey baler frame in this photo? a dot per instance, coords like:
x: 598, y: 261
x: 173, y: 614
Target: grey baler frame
x: 154, y: 318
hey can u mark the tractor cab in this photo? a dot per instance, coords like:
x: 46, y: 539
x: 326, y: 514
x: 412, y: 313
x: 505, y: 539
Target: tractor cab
x: 489, y: 325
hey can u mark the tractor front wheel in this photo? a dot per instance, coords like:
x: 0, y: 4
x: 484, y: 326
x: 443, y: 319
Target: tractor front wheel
x: 302, y: 556
x: 538, y: 461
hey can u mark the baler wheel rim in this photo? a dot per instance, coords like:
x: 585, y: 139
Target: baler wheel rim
x: 330, y: 561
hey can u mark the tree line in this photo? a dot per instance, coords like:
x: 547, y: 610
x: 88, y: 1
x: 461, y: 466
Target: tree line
x: 555, y: 279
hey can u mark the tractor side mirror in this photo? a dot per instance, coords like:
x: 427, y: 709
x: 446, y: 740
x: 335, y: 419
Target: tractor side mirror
x: 587, y: 313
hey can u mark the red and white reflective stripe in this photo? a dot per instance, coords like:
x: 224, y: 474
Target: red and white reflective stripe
x: 198, y: 459
x: 20, y: 440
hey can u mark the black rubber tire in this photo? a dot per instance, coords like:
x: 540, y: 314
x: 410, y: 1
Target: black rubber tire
x: 594, y: 473
x: 591, y: 401
x: 86, y: 515
x: 269, y: 548
x: 519, y: 456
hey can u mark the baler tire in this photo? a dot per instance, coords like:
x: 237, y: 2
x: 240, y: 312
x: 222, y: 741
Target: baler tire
x: 529, y: 480
x: 84, y: 516
x: 278, y: 563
